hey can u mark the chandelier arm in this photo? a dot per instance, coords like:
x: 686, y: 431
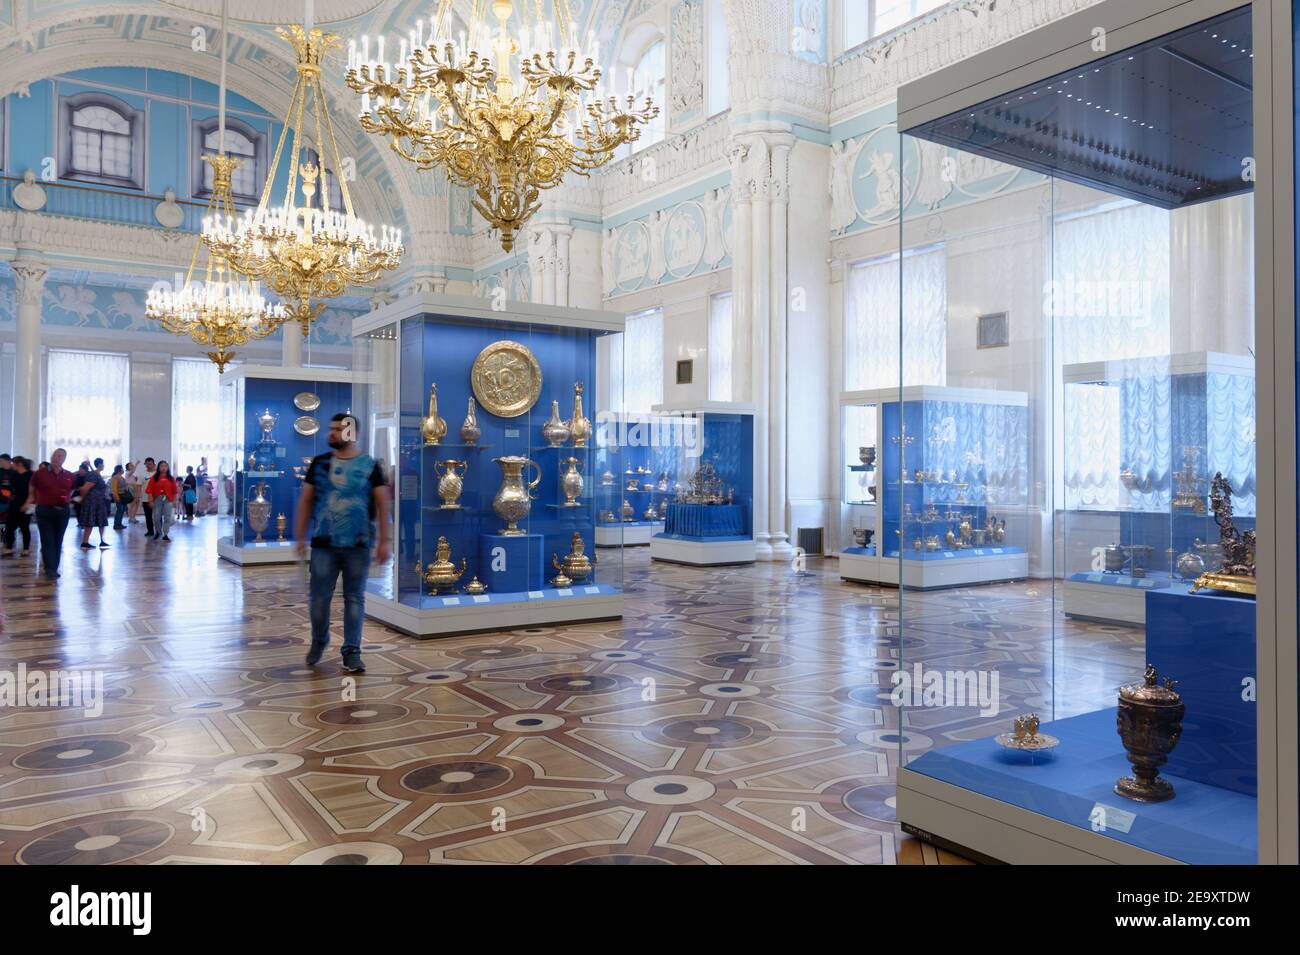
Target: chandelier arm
x: 296, y: 148
x: 322, y: 150
x: 334, y: 147
x: 279, y: 149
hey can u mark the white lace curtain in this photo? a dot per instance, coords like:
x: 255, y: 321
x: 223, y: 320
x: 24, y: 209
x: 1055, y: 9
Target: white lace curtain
x: 1110, y: 297
x: 871, y: 345
x: 87, y: 407
x: 202, y: 411
x: 720, y: 347
x: 637, y: 361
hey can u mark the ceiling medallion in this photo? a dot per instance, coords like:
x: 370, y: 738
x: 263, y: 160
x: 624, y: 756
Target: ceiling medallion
x: 507, y: 379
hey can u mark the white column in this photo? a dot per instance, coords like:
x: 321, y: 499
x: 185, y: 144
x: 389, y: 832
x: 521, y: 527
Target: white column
x: 760, y: 294
x: 778, y: 407
x: 291, y: 345
x: 30, y: 277
x: 563, y: 238
x: 741, y: 268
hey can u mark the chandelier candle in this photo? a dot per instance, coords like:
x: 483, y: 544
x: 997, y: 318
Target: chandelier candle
x: 505, y: 133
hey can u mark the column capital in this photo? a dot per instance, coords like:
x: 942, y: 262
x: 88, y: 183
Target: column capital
x: 30, y: 275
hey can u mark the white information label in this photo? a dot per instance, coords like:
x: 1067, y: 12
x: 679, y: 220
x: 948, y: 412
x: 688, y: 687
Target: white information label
x: 450, y: 601
x: 591, y: 590
x: 1103, y: 818
x: 565, y: 592
x: 482, y: 599
x: 535, y: 595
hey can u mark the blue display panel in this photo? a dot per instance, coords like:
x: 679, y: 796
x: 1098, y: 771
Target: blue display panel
x: 279, y: 464
x: 648, y: 479
x: 1142, y: 444
x: 441, y: 351
x: 714, y: 458
x: 954, y: 474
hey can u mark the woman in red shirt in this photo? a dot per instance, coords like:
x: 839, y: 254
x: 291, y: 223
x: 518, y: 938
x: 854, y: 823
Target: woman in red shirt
x: 162, y: 489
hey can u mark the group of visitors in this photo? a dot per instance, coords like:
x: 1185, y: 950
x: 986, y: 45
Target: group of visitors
x: 54, y: 495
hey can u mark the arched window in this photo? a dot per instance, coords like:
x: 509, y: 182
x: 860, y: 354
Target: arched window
x: 103, y: 140
x: 649, y: 79
x: 243, y: 142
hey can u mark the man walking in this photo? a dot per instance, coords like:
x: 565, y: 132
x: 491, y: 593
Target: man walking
x: 145, y: 499
x: 51, y: 492
x: 342, y: 492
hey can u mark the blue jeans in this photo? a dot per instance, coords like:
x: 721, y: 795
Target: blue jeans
x: 326, y: 565
x: 119, y: 510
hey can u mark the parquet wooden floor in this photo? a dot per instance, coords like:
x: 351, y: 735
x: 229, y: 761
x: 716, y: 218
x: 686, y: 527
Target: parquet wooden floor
x: 736, y: 715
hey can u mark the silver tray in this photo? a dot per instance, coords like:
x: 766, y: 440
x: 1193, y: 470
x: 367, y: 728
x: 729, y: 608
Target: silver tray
x: 306, y: 401
x: 306, y: 425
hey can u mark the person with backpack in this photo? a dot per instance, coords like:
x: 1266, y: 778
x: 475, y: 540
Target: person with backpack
x: 190, y: 493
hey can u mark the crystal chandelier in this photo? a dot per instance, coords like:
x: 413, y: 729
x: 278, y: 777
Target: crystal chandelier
x: 221, y: 311
x: 308, y: 251
x: 507, y: 137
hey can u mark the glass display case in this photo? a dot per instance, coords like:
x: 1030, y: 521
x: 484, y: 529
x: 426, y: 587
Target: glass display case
x: 1084, y: 242
x: 708, y: 518
x: 630, y: 502
x: 281, y: 422
x: 946, y: 493
x: 1143, y: 440
x: 498, y: 440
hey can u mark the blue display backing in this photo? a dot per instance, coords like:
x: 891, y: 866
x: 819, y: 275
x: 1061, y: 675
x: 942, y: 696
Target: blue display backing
x: 984, y: 446
x: 277, y: 395
x: 1201, y: 824
x: 648, y: 443
x: 1206, y: 642
x: 727, y: 443
x: 442, y: 350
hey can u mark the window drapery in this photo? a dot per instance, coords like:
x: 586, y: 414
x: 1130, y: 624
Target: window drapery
x: 202, y: 411
x: 871, y: 346
x: 720, y: 347
x: 87, y: 407
x: 637, y: 362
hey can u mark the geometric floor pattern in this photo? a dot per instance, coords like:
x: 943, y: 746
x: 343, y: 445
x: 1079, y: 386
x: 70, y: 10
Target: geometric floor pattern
x: 735, y: 715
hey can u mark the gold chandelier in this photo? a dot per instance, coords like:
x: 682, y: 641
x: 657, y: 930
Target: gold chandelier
x: 222, y: 311
x: 443, y: 104
x: 307, y: 251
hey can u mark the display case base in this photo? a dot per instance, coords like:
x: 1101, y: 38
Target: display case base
x: 469, y: 617
x: 1109, y: 602
x: 702, y: 553
x: 974, y: 794
x: 264, y: 552
x: 631, y: 534
x: 934, y: 573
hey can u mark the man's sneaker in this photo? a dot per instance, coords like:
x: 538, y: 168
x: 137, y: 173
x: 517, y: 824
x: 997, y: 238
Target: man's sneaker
x: 314, y: 653
x: 352, y: 663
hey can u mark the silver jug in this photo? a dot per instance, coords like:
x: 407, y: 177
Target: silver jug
x: 571, y: 481
x: 451, y: 483
x: 513, y: 499
x: 259, y: 510
x: 555, y: 432
x: 470, y: 432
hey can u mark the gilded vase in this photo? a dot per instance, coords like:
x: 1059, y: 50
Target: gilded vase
x: 576, y: 565
x: 433, y: 427
x: 579, y: 424
x: 555, y: 432
x: 259, y: 510
x: 571, y: 481
x: 451, y: 483
x: 470, y: 432
x: 513, y: 499
x: 1149, y: 721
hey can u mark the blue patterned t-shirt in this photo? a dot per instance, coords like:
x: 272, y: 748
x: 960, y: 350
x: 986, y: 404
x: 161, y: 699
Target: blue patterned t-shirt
x: 341, y: 511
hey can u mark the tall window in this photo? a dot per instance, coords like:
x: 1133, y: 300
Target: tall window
x: 200, y: 410
x: 637, y: 361
x: 87, y: 406
x: 1110, y: 300
x: 242, y: 142
x: 871, y: 345
x: 648, y: 79
x: 103, y: 140
x: 863, y: 19
x: 720, y: 347
x: 719, y: 66
x: 334, y: 192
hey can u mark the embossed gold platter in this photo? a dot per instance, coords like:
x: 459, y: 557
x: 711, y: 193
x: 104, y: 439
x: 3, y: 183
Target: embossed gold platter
x: 506, y: 378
